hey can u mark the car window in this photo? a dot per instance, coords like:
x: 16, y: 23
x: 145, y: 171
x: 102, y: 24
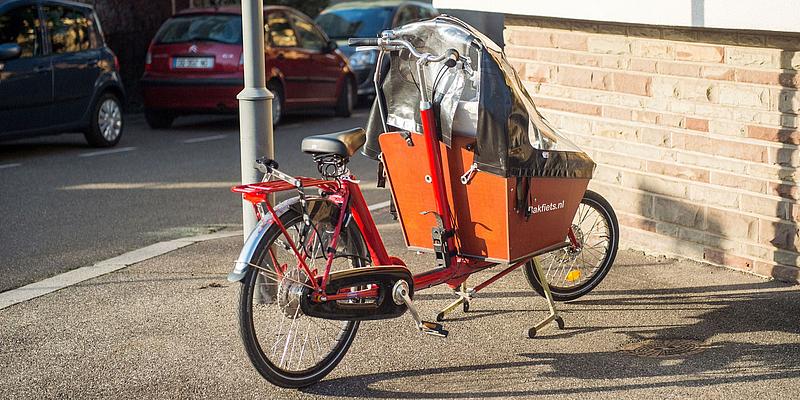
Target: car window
x: 281, y: 33
x: 21, y: 26
x: 220, y: 28
x: 309, y: 37
x: 70, y: 29
x: 363, y: 21
x: 407, y: 14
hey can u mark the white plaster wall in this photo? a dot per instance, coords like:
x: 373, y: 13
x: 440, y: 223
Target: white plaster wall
x: 770, y: 15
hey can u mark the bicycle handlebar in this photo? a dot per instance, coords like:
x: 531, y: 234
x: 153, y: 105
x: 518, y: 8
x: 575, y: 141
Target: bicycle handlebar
x: 385, y: 43
x: 353, y: 42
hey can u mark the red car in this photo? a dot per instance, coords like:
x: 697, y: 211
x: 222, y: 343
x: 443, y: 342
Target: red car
x: 195, y: 65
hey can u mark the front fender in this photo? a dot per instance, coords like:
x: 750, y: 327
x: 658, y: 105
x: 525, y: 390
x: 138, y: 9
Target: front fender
x: 242, y: 264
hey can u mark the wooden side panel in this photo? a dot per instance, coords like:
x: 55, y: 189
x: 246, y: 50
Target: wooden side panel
x: 480, y: 206
x: 407, y: 167
x: 557, y: 200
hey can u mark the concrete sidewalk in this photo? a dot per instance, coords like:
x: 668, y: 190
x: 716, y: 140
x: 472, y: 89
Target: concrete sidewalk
x: 166, y: 328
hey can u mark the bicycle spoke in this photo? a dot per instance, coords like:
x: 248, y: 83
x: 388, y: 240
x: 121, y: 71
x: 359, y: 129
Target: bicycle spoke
x: 272, y: 275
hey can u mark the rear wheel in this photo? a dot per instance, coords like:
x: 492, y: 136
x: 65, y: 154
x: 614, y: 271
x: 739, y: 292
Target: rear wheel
x: 347, y: 98
x: 288, y: 348
x: 159, y: 119
x: 573, y: 272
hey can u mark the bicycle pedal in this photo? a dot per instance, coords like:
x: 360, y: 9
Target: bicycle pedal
x: 433, y: 329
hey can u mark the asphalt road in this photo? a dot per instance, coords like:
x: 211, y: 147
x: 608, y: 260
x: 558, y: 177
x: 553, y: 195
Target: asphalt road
x: 64, y: 205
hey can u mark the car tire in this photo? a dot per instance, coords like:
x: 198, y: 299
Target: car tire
x: 106, y: 122
x: 277, y: 102
x: 158, y: 119
x: 347, y: 99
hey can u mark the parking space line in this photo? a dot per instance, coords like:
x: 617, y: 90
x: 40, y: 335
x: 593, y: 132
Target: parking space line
x: 12, y: 165
x: 205, y: 139
x: 104, y: 152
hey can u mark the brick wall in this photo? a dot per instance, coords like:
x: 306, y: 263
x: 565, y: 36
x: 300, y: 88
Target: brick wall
x: 695, y: 132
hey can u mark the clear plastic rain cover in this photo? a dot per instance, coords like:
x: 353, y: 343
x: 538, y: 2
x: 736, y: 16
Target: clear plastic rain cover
x: 485, y: 100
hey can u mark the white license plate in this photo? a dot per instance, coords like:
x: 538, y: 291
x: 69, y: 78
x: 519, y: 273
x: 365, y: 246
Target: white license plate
x: 193, y: 62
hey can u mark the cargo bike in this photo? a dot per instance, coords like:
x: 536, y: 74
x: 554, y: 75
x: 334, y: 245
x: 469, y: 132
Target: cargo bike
x: 479, y: 179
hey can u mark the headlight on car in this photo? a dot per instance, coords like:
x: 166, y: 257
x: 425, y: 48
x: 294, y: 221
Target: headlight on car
x: 363, y: 59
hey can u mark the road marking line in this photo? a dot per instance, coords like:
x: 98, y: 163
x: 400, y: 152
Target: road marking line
x: 104, y: 152
x: 378, y: 206
x: 61, y: 281
x: 4, y: 166
x: 70, y: 278
x: 205, y: 139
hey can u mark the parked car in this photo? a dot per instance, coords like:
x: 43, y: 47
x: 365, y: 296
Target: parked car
x: 368, y: 19
x: 56, y: 73
x: 195, y: 65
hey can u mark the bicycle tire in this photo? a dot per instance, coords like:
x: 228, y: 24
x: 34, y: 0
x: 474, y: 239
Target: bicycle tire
x: 272, y: 370
x: 561, y: 292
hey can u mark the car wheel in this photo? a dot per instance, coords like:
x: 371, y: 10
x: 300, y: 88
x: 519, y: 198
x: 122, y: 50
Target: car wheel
x: 105, y: 127
x: 277, y: 102
x: 347, y: 99
x: 158, y: 119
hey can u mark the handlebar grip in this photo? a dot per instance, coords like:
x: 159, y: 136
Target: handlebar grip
x: 354, y: 42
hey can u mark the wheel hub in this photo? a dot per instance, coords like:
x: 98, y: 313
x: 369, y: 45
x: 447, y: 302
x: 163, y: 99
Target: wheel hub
x: 571, y: 253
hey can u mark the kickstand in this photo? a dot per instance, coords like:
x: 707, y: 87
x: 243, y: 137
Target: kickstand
x: 550, y: 303
x: 464, y: 296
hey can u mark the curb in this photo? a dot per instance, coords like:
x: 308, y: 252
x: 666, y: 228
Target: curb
x: 75, y: 276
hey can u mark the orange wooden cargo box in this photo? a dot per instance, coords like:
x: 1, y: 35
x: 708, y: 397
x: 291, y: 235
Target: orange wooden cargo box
x: 487, y: 224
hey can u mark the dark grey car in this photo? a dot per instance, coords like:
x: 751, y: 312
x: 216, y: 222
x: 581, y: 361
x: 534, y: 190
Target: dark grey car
x: 56, y: 73
x: 368, y: 19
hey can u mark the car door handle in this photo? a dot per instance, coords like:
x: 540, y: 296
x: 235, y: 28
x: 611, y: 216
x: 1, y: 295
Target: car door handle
x: 280, y: 56
x: 40, y: 68
x: 93, y: 61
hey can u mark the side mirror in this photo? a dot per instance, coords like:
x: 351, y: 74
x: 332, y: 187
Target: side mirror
x: 331, y: 46
x: 9, y: 51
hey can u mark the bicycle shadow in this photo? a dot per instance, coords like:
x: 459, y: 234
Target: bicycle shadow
x: 477, y: 381
x: 730, y: 321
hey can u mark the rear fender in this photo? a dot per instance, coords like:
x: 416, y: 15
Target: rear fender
x: 242, y: 264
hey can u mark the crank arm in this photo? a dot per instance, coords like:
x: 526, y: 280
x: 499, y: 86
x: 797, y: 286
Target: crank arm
x: 400, y: 296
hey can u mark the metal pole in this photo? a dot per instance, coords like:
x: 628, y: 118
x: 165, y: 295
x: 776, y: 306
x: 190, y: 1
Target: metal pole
x: 255, y: 103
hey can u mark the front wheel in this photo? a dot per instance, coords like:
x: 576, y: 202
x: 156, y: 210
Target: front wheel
x: 287, y: 347
x: 572, y: 272
x: 105, y: 127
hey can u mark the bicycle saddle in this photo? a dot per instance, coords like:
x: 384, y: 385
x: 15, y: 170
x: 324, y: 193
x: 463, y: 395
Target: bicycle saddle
x: 344, y: 143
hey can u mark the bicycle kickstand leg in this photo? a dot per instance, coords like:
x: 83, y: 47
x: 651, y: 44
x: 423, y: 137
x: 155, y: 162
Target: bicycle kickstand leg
x: 550, y: 303
x: 464, y: 297
x: 400, y: 296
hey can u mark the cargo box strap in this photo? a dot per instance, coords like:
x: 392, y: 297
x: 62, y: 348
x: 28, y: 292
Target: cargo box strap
x: 523, y: 188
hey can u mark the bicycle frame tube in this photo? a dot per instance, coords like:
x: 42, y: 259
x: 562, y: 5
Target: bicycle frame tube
x: 300, y: 258
x: 331, y: 250
x: 377, y: 250
x: 435, y: 164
